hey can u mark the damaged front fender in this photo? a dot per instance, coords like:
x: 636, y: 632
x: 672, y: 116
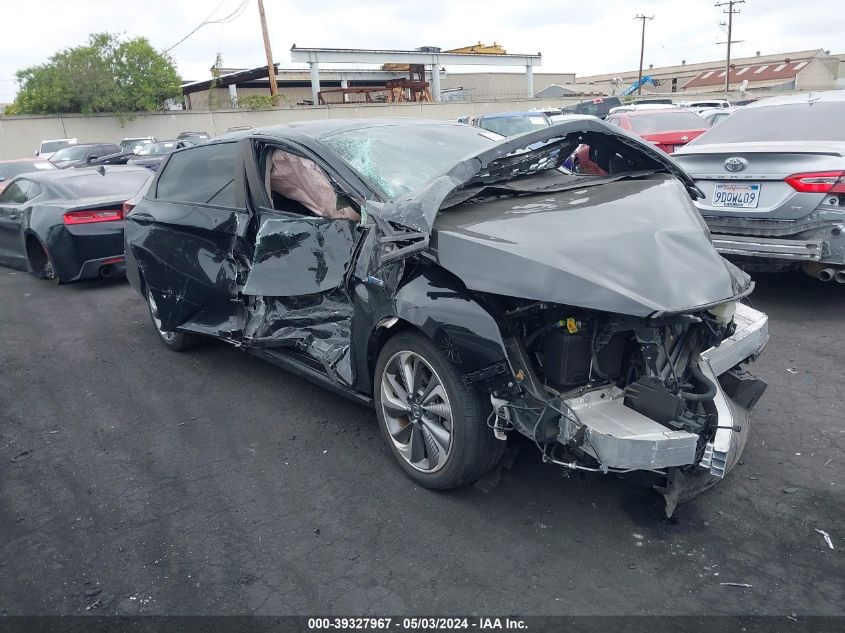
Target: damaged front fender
x: 434, y: 302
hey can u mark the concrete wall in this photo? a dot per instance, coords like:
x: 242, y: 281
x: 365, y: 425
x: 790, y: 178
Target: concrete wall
x: 490, y: 86
x: 21, y: 135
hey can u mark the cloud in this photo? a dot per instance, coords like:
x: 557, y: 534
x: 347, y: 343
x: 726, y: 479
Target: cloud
x: 573, y: 35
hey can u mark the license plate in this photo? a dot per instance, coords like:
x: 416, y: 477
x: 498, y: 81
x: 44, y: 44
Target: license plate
x: 735, y: 195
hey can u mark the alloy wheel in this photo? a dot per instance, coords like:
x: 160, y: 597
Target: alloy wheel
x: 416, y: 411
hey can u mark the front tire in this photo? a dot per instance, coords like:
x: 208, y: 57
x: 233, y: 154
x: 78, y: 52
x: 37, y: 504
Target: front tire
x: 176, y: 341
x: 432, y: 422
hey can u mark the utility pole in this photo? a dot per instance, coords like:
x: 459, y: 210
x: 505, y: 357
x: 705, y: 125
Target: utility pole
x: 271, y: 72
x: 642, y: 51
x: 730, y: 11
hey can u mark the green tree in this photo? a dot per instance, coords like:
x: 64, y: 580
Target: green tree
x: 107, y: 74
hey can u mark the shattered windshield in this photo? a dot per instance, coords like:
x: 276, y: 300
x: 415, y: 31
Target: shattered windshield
x: 397, y: 159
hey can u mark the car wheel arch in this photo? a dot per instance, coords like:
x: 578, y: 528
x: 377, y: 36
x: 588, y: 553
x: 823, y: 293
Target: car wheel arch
x: 32, y: 242
x: 459, y: 326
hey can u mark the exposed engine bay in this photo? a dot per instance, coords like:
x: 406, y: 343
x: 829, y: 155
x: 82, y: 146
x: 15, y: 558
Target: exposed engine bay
x: 613, y: 393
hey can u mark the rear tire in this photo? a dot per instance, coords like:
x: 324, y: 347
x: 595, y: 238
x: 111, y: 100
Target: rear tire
x: 39, y: 260
x: 436, y: 430
x: 176, y: 341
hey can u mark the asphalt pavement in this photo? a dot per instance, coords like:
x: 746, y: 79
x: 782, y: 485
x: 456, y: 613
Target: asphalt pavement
x: 138, y: 480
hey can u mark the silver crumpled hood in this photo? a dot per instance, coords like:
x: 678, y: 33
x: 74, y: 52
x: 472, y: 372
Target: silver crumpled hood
x: 635, y: 247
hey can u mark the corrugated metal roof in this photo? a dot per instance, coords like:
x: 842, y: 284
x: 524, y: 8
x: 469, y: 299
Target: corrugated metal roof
x: 753, y: 72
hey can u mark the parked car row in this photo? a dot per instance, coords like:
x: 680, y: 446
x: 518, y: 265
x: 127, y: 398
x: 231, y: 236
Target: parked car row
x: 69, y: 152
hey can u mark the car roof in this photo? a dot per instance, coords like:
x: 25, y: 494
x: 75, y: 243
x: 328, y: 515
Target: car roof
x: 825, y: 96
x: 504, y: 115
x: 24, y: 160
x: 709, y: 111
x: 53, y: 140
x: 56, y: 175
x: 636, y: 113
x: 77, y: 145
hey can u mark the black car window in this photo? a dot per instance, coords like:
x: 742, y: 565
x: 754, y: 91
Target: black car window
x: 71, y: 152
x: 203, y: 174
x: 33, y: 191
x: 15, y: 193
x: 299, y: 185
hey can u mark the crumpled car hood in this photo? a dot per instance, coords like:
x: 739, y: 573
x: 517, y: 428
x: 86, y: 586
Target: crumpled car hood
x: 417, y: 210
x: 635, y: 247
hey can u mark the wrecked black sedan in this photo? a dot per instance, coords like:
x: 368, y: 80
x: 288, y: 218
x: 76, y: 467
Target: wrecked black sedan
x: 467, y: 287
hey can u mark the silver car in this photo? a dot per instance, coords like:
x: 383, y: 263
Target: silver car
x: 716, y: 115
x: 773, y: 178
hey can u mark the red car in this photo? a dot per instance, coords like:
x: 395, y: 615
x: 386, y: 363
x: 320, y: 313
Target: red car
x: 668, y: 128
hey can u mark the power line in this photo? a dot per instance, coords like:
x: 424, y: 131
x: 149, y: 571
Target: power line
x: 224, y: 20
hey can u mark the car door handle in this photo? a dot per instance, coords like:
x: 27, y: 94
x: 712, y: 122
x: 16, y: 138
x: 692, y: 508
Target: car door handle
x: 141, y: 218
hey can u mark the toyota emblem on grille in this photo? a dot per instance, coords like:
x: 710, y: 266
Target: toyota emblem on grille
x: 736, y: 164
x: 684, y: 138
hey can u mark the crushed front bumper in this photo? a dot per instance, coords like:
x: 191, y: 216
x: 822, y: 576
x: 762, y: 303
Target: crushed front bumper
x: 622, y: 439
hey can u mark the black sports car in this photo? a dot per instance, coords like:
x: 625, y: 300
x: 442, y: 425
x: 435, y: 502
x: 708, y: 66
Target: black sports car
x: 67, y: 225
x: 468, y: 287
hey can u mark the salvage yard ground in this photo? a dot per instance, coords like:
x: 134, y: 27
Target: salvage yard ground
x: 136, y: 480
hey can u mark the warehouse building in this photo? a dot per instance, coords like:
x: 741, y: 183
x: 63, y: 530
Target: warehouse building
x: 233, y: 84
x: 800, y: 70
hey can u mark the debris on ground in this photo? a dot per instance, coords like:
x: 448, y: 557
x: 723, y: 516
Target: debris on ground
x: 826, y: 537
x: 744, y: 585
x: 789, y: 491
x: 792, y: 370
x: 22, y: 456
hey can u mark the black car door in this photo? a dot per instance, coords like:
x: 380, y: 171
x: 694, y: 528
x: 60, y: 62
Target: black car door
x: 12, y: 204
x: 296, y: 290
x: 185, y: 237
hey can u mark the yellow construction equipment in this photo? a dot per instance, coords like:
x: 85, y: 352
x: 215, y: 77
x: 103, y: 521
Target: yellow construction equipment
x: 496, y: 49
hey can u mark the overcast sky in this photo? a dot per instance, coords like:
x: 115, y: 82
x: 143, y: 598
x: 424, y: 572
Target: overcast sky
x: 581, y: 36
